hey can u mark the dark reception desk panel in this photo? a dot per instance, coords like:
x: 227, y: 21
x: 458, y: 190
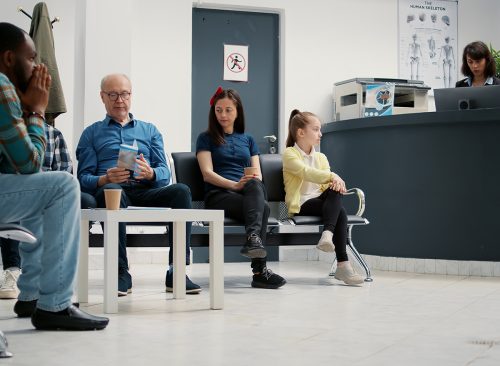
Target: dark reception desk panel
x: 432, y: 182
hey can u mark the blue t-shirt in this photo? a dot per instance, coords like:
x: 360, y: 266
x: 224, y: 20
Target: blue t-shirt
x: 230, y: 158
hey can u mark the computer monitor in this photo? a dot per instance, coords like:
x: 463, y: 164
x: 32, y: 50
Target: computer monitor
x: 455, y: 99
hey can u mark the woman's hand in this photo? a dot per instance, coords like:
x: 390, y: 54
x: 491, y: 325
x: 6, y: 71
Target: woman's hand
x: 337, y: 184
x: 239, y: 185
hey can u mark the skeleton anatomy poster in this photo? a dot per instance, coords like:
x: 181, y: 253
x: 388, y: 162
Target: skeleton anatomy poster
x: 428, y: 42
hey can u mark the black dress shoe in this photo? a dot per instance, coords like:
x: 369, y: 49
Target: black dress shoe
x: 25, y: 309
x: 71, y: 318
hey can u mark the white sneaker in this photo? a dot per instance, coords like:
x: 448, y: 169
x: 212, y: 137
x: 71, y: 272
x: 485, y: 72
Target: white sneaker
x: 325, y: 243
x: 346, y: 273
x: 9, y: 289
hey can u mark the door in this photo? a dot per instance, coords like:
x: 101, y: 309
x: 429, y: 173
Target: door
x: 260, y: 95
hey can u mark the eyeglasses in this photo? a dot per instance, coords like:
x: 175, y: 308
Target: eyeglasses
x: 114, y: 96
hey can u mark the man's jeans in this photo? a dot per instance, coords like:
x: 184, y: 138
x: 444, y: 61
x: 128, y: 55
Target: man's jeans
x: 173, y: 196
x: 48, y: 204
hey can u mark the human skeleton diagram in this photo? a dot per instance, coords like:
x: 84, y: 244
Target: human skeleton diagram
x: 447, y: 55
x: 432, y: 47
x: 414, y: 58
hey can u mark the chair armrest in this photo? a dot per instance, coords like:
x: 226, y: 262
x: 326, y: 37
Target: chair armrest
x: 361, y: 199
x: 173, y: 178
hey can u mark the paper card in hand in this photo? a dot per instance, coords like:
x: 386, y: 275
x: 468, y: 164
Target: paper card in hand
x: 127, y: 156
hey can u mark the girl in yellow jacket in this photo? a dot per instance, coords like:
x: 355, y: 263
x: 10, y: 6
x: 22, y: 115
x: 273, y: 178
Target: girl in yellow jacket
x: 313, y: 190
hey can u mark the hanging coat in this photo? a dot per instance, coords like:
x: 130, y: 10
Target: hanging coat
x: 41, y: 33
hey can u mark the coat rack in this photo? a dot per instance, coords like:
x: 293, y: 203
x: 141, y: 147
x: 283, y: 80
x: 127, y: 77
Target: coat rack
x: 20, y: 8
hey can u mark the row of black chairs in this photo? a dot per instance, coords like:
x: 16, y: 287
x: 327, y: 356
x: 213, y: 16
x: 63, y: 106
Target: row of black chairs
x: 186, y: 170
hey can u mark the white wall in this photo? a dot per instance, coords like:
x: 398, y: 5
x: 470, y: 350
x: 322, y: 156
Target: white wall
x: 478, y: 21
x: 161, y: 68
x: 324, y: 41
x: 108, y: 49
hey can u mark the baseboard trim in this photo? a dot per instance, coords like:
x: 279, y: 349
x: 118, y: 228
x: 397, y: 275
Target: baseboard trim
x: 395, y: 264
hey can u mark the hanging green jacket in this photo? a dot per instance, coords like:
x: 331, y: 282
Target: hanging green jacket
x: 41, y: 33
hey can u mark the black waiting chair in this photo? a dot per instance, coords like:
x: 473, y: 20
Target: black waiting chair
x: 272, y: 176
x: 15, y: 232
x: 186, y: 170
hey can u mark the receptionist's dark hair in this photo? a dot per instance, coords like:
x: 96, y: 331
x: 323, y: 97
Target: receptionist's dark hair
x: 476, y: 51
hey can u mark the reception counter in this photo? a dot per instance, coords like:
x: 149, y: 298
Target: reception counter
x: 432, y: 182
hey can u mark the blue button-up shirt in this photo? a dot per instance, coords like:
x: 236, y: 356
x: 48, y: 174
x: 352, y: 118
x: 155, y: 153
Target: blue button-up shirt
x: 99, y: 145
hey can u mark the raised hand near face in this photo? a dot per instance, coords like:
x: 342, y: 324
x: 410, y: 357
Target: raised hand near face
x: 36, y: 96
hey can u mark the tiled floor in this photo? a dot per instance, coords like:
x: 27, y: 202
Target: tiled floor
x: 399, y: 319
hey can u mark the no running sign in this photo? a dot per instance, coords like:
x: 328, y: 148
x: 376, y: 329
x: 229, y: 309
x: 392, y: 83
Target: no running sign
x: 235, y: 62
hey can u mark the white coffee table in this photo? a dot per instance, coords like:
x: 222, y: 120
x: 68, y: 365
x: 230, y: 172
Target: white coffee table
x: 179, y: 217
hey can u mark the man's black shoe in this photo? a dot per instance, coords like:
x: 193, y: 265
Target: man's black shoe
x: 267, y: 279
x: 24, y: 309
x: 253, y: 247
x: 71, y: 318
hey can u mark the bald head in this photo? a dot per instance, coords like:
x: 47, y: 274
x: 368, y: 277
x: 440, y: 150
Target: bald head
x: 116, y: 92
x: 112, y: 77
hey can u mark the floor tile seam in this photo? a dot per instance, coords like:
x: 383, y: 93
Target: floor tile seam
x: 408, y: 336
x: 440, y: 289
x: 478, y: 299
x: 491, y: 292
x: 311, y: 337
x: 481, y: 352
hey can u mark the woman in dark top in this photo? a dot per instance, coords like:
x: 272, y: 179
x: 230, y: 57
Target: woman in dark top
x: 478, y: 66
x: 223, y: 153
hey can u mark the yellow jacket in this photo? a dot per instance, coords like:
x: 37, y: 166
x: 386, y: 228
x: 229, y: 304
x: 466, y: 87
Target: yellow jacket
x: 295, y: 172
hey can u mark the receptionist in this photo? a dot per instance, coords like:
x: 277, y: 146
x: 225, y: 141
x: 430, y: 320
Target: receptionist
x: 478, y: 66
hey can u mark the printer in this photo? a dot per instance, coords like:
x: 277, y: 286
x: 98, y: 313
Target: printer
x: 374, y: 97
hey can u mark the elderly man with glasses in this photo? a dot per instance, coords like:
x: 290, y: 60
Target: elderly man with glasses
x: 146, y: 185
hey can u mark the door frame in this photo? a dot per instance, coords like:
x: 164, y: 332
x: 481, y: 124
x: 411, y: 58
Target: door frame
x: 281, y: 67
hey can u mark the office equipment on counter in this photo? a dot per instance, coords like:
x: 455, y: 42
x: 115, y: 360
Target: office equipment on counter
x: 374, y: 97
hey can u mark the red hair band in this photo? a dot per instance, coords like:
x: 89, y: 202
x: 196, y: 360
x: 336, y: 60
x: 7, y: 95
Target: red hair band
x: 217, y: 92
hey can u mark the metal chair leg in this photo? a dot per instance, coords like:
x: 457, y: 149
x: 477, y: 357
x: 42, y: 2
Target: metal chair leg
x: 332, y: 272
x: 356, y: 254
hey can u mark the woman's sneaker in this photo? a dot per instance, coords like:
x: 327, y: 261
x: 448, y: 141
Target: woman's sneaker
x: 267, y: 279
x: 346, y: 273
x: 325, y: 243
